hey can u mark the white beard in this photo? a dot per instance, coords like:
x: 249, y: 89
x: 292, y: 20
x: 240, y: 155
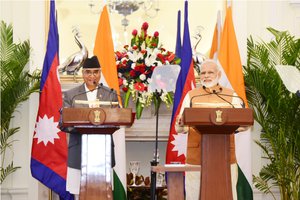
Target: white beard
x: 210, y: 84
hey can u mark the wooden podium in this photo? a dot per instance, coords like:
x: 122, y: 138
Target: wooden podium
x: 96, y: 126
x: 216, y: 125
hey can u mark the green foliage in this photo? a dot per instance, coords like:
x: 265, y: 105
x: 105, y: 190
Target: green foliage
x: 16, y: 86
x: 277, y: 111
x: 9, y: 169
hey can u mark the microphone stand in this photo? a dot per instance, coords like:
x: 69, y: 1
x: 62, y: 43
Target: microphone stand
x: 154, y: 162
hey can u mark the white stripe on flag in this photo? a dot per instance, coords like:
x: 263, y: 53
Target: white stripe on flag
x: 120, y: 155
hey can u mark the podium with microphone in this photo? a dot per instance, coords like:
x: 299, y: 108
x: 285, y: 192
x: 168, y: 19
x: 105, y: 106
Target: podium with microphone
x: 216, y: 122
x: 96, y: 126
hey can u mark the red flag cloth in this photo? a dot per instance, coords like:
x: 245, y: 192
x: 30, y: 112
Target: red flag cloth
x: 49, y: 145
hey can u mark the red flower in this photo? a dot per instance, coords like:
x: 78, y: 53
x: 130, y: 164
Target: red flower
x: 119, y: 55
x: 156, y: 34
x: 161, y: 57
x: 154, y: 45
x: 120, y: 81
x: 119, y: 66
x: 125, y: 89
x: 134, y: 32
x: 145, y: 26
x: 148, y: 71
x: 143, y: 51
x: 140, y: 68
x: 132, y: 73
x: 124, y: 62
x: 139, y: 87
x: 134, y: 47
x: 171, y: 57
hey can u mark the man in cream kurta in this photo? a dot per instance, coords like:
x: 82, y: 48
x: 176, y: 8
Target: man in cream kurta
x: 210, y: 94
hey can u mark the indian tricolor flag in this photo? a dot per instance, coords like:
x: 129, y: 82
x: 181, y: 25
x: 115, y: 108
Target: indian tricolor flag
x: 104, y: 50
x: 228, y: 57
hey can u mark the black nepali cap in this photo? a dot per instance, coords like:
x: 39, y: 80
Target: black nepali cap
x: 91, y: 63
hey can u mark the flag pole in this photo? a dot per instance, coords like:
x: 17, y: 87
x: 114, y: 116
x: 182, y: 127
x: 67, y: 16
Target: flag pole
x: 50, y: 194
x: 155, y: 161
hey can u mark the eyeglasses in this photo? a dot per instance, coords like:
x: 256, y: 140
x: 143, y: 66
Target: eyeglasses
x: 91, y: 72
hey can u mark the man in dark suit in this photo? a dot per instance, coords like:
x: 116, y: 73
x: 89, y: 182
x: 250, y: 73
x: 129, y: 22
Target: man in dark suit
x: 88, y: 91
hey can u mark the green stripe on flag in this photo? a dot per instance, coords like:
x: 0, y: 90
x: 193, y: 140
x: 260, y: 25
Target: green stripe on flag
x: 243, y: 188
x: 119, y: 190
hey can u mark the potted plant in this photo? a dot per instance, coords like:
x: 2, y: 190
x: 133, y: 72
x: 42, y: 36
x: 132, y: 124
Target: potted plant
x: 277, y: 111
x: 16, y: 86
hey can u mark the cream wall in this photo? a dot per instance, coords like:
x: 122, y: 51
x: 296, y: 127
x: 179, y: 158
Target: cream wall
x: 201, y: 13
x: 28, y: 18
x: 28, y: 22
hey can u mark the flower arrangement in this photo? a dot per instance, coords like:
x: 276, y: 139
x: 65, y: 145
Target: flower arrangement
x: 135, y: 65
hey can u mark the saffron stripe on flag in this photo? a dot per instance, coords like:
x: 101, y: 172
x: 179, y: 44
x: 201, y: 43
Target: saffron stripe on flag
x: 104, y: 50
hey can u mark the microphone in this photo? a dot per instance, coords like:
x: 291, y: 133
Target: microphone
x: 207, y: 93
x: 111, y: 94
x: 214, y: 92
x: 72, y: 100
x: 191, y: 102
x: 228, y: 95
x: 219, y: 95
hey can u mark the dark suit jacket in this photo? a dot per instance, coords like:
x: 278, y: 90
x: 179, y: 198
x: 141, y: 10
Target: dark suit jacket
x: 69, y: 97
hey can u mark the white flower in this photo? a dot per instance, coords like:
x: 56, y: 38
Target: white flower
x: 125, y: 82
x: 124, y: 58
x: 151, y: 57
x: 164, y: 96
x: 134, y: 56
x: 131, y: 86
x: 145, y: 98
x: 159, y: 63
x: 142, y: 77
x: 133, y: 65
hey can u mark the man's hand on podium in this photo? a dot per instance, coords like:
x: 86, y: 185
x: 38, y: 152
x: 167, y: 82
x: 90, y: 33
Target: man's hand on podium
x: 242, y: 128
x: 179, y: 126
